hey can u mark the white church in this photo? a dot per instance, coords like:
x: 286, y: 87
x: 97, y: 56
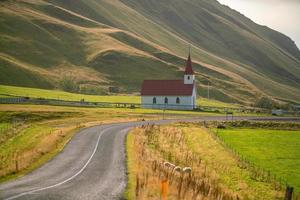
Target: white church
x: 171, y: 94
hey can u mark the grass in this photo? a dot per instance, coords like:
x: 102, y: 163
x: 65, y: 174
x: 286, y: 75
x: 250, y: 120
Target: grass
x: 131, y: 167
x: 31, y: 148
x: 187, y: 144
x: 26, y: 139
x: 215, y: 103
x: 4, y: 96
x: 4, y: 127
x: 55, y: 94
x: 32, y: 134
x: 277, y: 151
x: 130, y: 74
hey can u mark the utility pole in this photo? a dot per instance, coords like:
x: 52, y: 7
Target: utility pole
x: 208, y: 90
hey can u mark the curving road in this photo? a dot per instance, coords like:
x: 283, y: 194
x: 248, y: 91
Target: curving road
x: 91, y: 166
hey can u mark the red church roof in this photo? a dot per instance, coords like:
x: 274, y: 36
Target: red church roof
x: 169, y: 87
x: 166, y: 88
x: 188, y: 67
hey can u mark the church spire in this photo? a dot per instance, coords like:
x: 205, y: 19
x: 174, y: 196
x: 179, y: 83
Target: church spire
x: 188, y: 68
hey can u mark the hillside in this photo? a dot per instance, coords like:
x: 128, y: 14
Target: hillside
x: 102, y: 43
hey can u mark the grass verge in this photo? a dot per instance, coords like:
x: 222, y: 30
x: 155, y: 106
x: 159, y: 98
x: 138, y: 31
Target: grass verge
x: 216, y: 172
x: 32, y: 134
x: 131, y: 160
x: 32, y: 161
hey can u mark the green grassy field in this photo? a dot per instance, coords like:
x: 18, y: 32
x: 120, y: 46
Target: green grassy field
x: 56, y: 94
x: 4, y: 128
x: 215, y: 103
x: 277, y: 151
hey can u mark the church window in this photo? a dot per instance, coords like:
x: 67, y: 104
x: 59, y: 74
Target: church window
x: 166, y: 100
x: 154, y: 100
x: 177, y: 100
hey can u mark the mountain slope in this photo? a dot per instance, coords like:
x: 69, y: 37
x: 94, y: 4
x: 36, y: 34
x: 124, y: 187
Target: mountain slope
x: 102, y: 43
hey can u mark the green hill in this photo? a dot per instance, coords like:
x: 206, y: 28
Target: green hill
x: 103, y: 43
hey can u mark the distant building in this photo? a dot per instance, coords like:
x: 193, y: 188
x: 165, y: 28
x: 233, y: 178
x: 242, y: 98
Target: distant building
x: 277, y: 112
x: 114, y: 89
x: 171, y: 94
x: 297, y: 108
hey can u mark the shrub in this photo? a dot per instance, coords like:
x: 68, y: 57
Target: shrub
x: 92, y: 89
x: 221, y: 126
x: 266, y: 102
x: 69, y: 84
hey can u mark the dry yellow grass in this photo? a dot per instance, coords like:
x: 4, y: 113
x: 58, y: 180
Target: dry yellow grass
x: 49, y: 141
x: 34, y: 142
x: 216, y: 173
x: 26, y: 66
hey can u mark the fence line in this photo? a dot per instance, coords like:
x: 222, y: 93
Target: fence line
x: 257, y: 172
x: 82, y: 103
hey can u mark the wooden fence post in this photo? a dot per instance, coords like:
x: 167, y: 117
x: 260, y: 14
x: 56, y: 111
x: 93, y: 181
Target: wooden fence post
x: 137, y: 188
x: 164, y: 189
x: 17, y: 162
x: 289, y: 193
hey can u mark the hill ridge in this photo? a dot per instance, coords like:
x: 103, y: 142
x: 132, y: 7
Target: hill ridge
x: 124, y: 42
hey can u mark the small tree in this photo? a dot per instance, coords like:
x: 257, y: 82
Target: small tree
x: 266, y: 102
x: 69, y: 84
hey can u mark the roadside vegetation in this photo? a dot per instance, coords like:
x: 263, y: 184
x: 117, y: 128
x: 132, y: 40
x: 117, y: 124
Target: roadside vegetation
x: 32, y: 134
x: 216, y: 172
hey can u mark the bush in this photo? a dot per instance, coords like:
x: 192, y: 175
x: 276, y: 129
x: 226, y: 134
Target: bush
x: 266, y: 103
x: 221, y: 126
x: 68, y: 84
x: 92, y: 89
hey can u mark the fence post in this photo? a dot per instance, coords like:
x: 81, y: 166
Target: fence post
x: 17, y: 162
x: 137, y: 188
x: 164, y: 189
x: 288, y: 193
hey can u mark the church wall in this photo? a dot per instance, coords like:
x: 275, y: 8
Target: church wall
x: 186, y: 102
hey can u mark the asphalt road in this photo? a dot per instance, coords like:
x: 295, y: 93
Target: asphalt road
x: 91, y: 166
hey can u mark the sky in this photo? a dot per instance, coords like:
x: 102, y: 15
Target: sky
x: 280, y: 15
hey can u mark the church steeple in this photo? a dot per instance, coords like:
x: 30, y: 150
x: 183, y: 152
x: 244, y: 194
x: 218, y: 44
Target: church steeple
x: 188, y: 67
x: 189, y: 75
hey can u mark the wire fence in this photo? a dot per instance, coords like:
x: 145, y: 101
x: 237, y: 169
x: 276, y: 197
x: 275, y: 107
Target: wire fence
x: 257, y: 173
x: 83, y: 103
